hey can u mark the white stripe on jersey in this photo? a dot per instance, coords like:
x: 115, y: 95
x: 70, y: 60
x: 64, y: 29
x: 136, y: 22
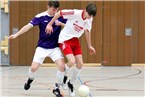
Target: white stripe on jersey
x: 43, y: 14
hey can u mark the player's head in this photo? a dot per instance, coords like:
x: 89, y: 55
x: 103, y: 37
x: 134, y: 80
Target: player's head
x: 53, y: 7
x: 91, y: 10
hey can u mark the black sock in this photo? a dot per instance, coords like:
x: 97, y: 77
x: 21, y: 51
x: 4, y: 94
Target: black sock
x: 64, y: 79
x: 30, y: 81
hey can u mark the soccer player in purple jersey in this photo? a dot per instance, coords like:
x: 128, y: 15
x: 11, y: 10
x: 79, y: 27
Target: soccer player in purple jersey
x: 47, y: 44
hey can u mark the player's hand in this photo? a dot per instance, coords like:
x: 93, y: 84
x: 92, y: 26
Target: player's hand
x: 92, y: 50
x: 49, y: 29
x: 58, y: 23
x: 13, y: 36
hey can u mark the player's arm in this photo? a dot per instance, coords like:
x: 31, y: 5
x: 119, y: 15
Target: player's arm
x: 21, y: 31
x: 88, y: 38
x: 49, y: 28
x: 58, y: 23
x: 67, y: 14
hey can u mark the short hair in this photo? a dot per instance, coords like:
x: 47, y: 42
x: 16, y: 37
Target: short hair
x: 53, y: 3
x: 91, y: 9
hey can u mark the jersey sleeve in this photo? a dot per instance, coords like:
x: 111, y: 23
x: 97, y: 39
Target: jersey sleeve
x: 88, y: 25
x: 35, y: 21
x: 68, y: 14
x: 64, y: 21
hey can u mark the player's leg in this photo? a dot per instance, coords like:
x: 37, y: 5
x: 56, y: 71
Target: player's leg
x: 77, y: 69
x: 38, y: 59
x: 57, y: 57
x: 71, y: 60
x: 79, y: 62
x: 67, y: 50
x: 32, y: 69
x: 75, y: 72
x: 60, y: 73
x: 60, y: 76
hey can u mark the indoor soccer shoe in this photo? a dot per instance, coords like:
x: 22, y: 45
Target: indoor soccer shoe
x: 71, y: 89
x: 56, y: 91
x: 28, y: 84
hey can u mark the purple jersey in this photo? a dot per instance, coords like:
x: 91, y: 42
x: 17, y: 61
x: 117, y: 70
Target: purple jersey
x: 47, y: 41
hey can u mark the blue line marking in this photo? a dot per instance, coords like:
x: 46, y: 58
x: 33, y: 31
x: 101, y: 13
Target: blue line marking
x: 83, y: 84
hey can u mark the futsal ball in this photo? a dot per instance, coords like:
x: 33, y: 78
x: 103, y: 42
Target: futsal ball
x: 83, y: 91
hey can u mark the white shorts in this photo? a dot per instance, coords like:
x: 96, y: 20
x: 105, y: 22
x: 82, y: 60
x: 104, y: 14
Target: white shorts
x: 42, y: 53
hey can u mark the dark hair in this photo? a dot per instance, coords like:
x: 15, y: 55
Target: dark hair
x: 53, y: 3
x: 91, y: 9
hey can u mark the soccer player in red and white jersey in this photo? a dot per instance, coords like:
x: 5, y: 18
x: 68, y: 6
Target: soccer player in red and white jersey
x: 78, y: 22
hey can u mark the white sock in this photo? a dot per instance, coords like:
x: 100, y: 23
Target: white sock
x: 60, y: 76
x: 75, y: 75
x: 31, y: 74
x: 66, y: 69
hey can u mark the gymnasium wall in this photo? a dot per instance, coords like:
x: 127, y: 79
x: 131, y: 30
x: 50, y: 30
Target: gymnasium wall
x: 118, y: 48
x: 113, y: 48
